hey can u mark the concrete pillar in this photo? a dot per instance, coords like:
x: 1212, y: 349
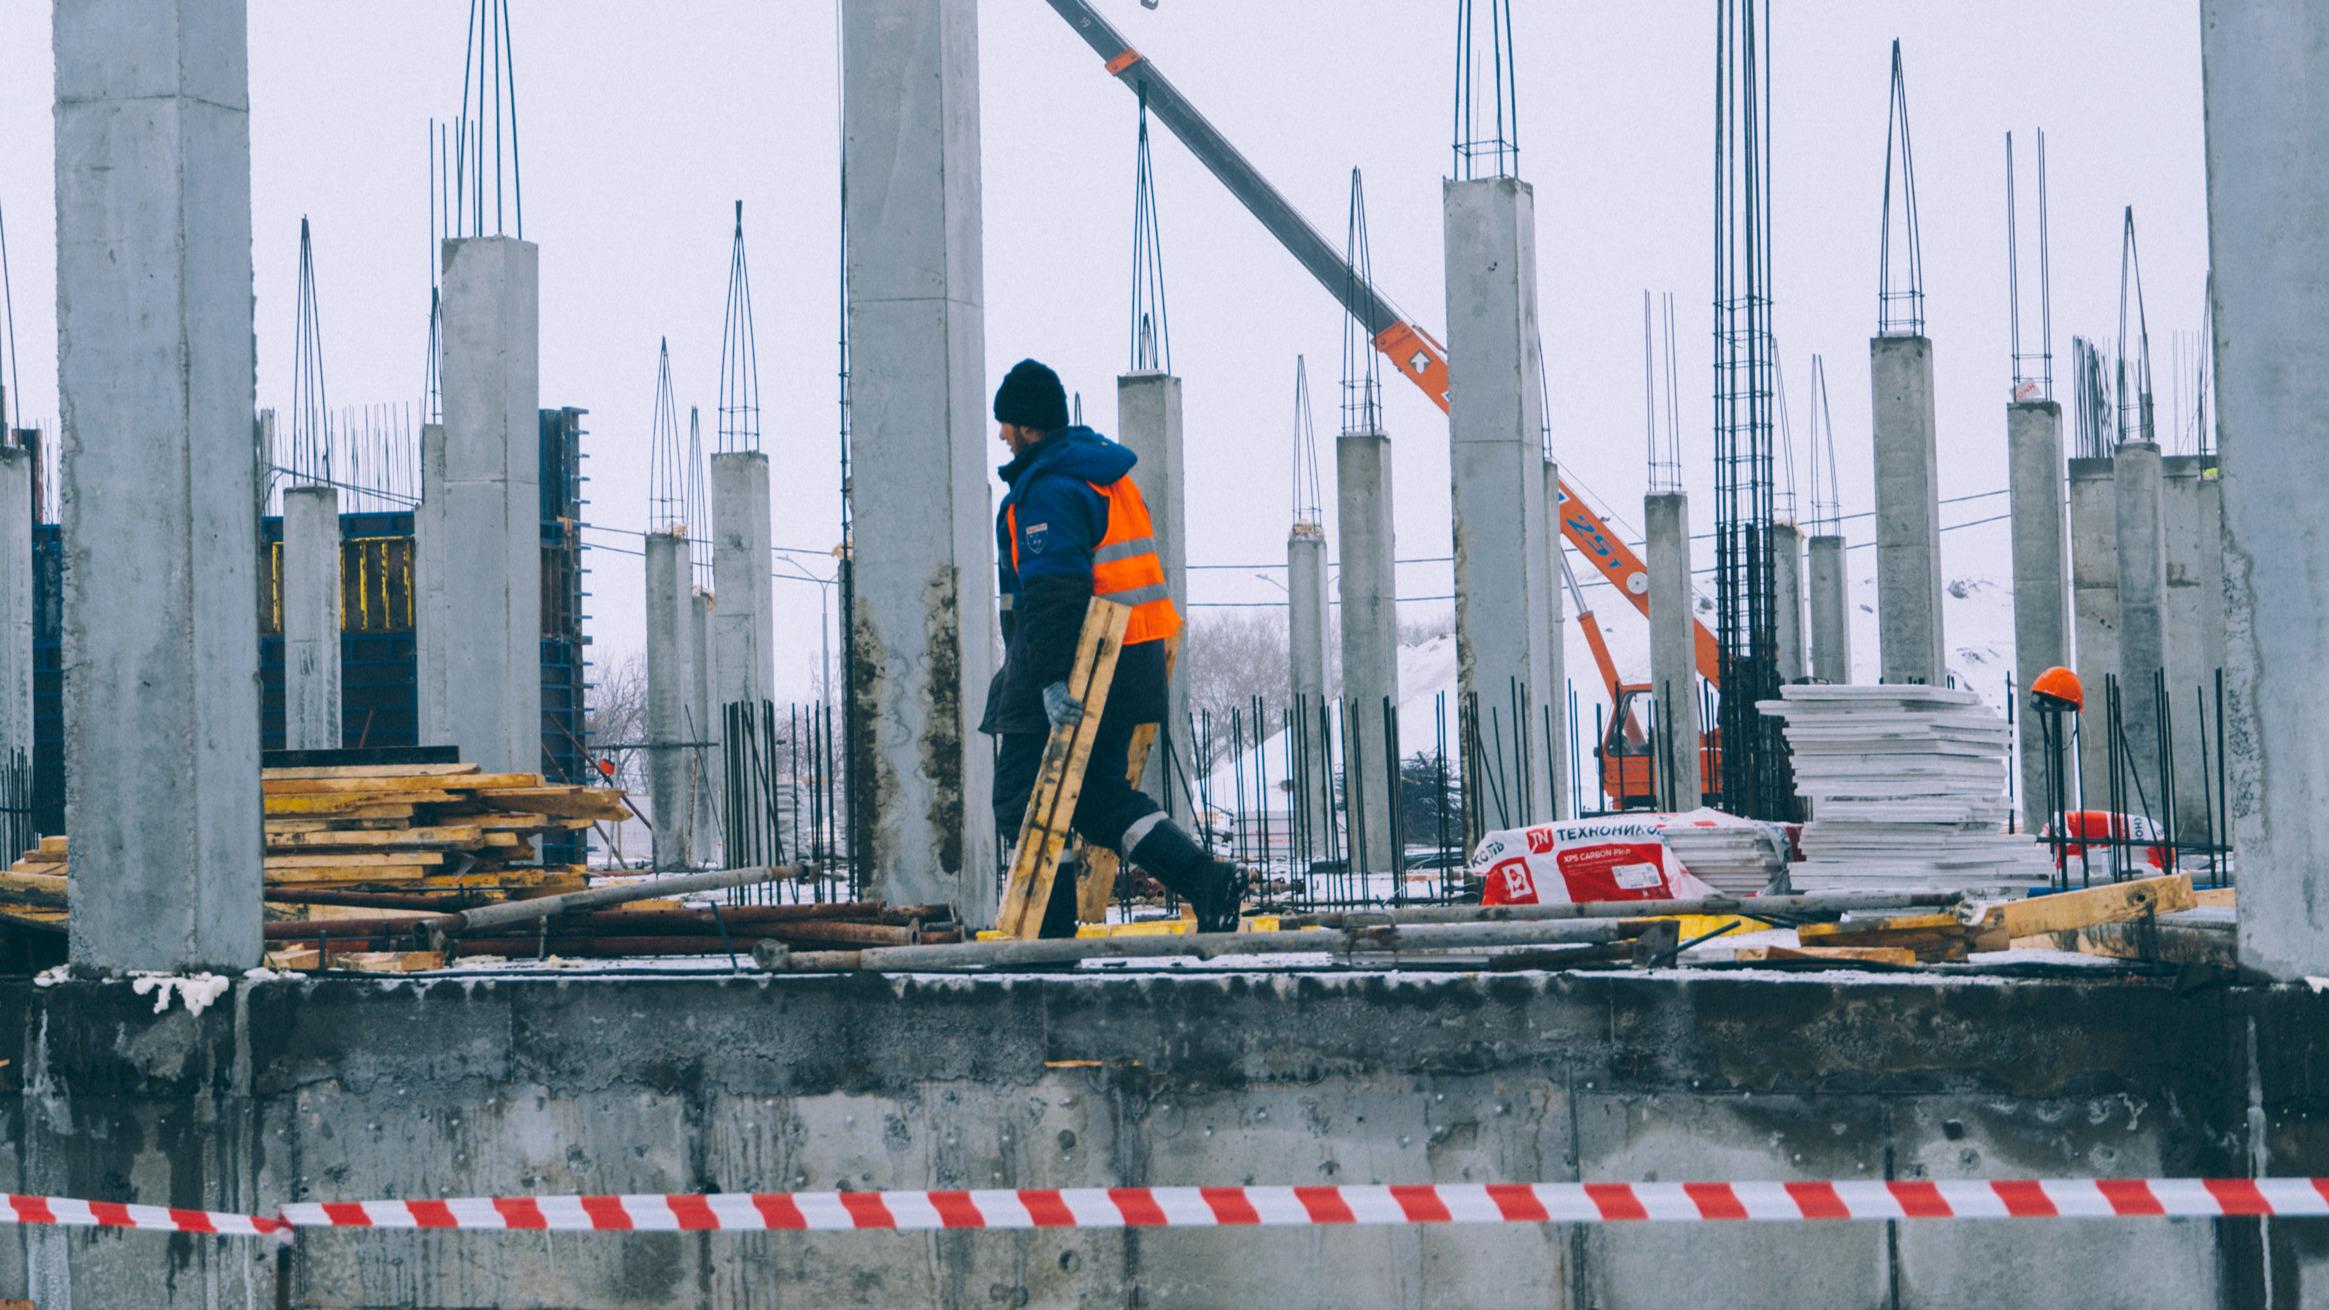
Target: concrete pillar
x: 1787, y: 601
x: 481, y: 560
x: 2191, y: 660
x: 2094, y: 612
x: 311, y: 618
x: 744, y: 622
x: 1368, y: 587
x: 1148, y: 421
x: 430, y: 629
x: 1831, y: 610
x: 2264, y: 63
x: 924, y: 623
x: 1495, y: 463
x: 1306, y: 660
x: 1673, y: 649
x: 670, y: 625
x: 2041, y: 586
x: 16, y: 625
x: 704, y: 727
x: 155, y: 377
x: 2143, y: 637
x: 1910, y: 646
x: 1555, y: 717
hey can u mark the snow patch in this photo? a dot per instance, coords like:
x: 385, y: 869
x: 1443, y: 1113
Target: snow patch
x: 196, y: 990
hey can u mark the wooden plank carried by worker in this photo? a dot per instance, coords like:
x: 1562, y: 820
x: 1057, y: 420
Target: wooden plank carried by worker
x: 1102, y: 865
x: 1059, y: 783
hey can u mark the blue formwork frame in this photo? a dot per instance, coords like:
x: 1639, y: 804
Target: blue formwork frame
x: 379, y: 685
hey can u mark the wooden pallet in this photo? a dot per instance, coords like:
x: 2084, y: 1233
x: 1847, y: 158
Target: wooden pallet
x: 1059, y: 783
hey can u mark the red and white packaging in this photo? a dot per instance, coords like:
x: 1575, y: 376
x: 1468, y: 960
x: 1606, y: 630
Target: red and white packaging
x: 1614, y: 858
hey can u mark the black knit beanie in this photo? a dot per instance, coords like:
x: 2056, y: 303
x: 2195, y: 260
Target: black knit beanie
x: 1032, y: 398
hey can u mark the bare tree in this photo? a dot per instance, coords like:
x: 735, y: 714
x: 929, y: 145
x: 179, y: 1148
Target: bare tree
x: 616, y: 715
x: 1229, y: 659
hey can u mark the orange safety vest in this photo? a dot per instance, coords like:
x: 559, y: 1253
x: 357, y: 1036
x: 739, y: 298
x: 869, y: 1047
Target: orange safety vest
x: 1125, y: 567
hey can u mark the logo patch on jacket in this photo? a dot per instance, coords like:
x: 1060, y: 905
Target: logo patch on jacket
x: 1036, y: 534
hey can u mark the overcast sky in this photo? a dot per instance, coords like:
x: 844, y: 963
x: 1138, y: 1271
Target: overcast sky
x: 641, y: 125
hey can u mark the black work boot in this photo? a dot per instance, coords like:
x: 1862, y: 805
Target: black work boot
x: 1213, y: 888
x: 1059, y: 916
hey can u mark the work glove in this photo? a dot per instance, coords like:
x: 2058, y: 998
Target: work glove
x: 1062, y: 709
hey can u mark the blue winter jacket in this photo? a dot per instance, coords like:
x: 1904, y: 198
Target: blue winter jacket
x: 1061, y: 519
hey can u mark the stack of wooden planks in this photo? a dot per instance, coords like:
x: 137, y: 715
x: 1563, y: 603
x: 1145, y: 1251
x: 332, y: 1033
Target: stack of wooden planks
x: 418, y: 831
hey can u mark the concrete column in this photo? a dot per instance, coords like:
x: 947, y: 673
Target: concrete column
x: 431, y: 633
x: 154, y: 372
x: 924, y: 620
x: 1673, y: 650
x: 2191, y: 660
x: 2094, y: 612
x: 2264, y: 62
x: 2041, y: 586
x: 2143, y: 637
x: 1555, y: 717
x: 481, y: 560
x: 1831, y: 611
x: 670, y: 666
x: 1910, y: 647
x: 1368, y: 587
x: 1148, y: 421
x: 1306, y: 658
x: 703, y: 726
x: 1787, y: 600
x: 1495, y: 464
x: 16, y: 520
x: 311, y: 618
x: 744, y: 622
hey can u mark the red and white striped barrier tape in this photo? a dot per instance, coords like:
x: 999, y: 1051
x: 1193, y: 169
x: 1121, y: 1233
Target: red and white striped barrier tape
x: 68, y: 1213
x: 1212, y: 1207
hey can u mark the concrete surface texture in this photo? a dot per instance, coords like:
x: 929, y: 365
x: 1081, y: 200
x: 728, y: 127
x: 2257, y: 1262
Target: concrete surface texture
x: 310, y: 1090
x: 1148, y: 422
x: 2191, y: 515
x: 1673, y: 649
x: 1367, y: 585
x: 703, y: 759
x: 1910, y: 645
x: 1831, y: 609
x: 2268, y: 182
x: 744, y: 623
x: 1554, y: 717
x: 311, y: 618
x: 2041, y: 563
x: 2144, y: 641
x: 2094, y: 609
x: 155, y: 377
x: 1498, y: 487
x: 1787, y: 601
x: 670, y: 624
x: 924, y: 620
x: 16, y: 625
x: 481, y: 562
x: 1306, y: 664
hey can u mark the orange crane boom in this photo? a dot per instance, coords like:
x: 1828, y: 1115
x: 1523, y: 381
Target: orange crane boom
x: 1411, y: 349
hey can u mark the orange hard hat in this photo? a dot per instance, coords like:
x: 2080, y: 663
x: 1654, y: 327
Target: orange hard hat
x: 2058, y: 687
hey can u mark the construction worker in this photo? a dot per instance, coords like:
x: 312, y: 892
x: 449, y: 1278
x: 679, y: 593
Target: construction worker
x: 1073, y: 526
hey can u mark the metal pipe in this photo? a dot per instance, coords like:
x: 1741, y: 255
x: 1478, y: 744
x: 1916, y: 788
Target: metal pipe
x: 1808, y: 903
x: 468, y: 922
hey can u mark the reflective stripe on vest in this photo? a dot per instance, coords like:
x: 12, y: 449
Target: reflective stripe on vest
x: 1125, y: 567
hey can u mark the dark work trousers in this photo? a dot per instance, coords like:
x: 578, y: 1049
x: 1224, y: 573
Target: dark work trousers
x: 1107, y: 806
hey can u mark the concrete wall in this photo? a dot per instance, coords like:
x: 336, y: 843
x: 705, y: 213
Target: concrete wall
x: 481, y: 560
x: 312, y: 1090
x: 1910, y: 644
x: 1831, y: 610
x: 1148, y: 422
x: 155, y: 386
x: 2041, y: 587
x: 2094, y: 604
x: 1495, y: 462
x: 1368, y: 587
x: 2264, y: 64
x: 311, y: 618
x: 924, y: 621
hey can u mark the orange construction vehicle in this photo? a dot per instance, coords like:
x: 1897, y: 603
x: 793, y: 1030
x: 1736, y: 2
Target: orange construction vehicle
x: 1627, y: 754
